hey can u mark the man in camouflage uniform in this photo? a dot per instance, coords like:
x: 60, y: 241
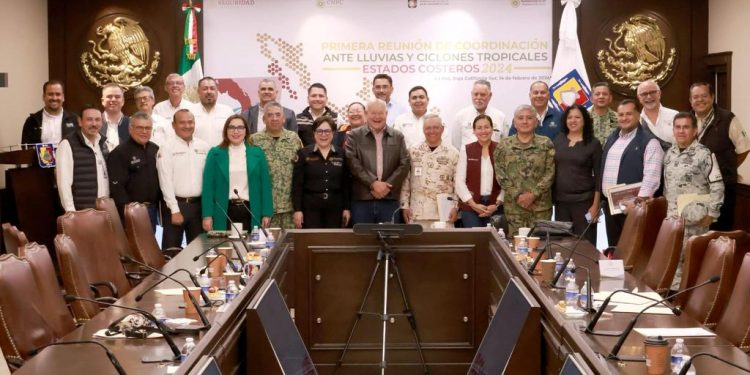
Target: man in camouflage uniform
x: 690, y: 167
x: 525, y: 170
x: 280, y: 146
x: 605, y: 119
x: 433, y: 168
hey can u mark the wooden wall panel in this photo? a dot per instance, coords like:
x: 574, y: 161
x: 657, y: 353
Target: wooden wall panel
x: 689, y: 23
x: 70, y: 26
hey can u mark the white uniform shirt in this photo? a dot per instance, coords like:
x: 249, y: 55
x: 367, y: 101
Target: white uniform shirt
x: 411, y: 126
x: 165, y: 109
x: 180, y: 165
x: 113, y: 136
x: 462, y: 128
x: 209, y: 124
x: 64, y: 172
x: 663, y: 126
x: 51, y: 127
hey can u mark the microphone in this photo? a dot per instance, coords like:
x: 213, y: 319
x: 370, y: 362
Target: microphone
x: 595, y: 319
x: 110, y: 355
x: 260, y: 223
x: 686, y: 366
x: 204, y: 319
x: 159, y: 325
x: 559, y: 272
x: 192, y: 278
x: 393, y: 216
x: 195, y: 258
x: 589, y: 303
x: 631, y: 325
x: 236, y: 251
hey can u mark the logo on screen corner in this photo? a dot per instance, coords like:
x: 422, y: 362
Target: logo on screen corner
x: 518, y: 3
x: 329, y: 3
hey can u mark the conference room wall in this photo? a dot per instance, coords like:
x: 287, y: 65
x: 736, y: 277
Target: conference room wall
x: 727, y: 31
x: 23, y: 37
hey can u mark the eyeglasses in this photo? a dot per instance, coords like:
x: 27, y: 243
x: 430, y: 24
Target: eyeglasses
x: 648, y: 93
x: 143, y: 99
x: 143, y: 128
x: 235, y: 129
x: 324, y: 131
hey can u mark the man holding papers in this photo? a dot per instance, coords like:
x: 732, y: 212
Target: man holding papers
x: 692, y: 181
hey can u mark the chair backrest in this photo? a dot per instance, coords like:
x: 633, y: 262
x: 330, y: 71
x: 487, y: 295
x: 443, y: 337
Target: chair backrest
x: 56, y: 311
x: 93, y: 234
x: 143, y: 244
x: 665, y: 257
x: 695, y: 251
x: 639, y: 234
x: 74, y: 278
x: 707, y: 303
x: 13, y: 238
x: 107, y: 205
x: 734, y: 324
x: 24, y: 327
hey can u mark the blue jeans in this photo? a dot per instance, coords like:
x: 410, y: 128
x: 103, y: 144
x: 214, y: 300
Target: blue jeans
x: 470, y: 219
x: 153, y: 214
x: 375, y: 211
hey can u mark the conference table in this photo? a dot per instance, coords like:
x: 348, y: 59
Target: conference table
x: 453, y: 278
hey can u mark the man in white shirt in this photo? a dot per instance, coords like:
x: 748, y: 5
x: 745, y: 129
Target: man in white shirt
x: 116, y: 124
x: 382, y: 88
x: 267, y: 92
x: 174, y: 86
x: 210, y: 116
x: 410, y: 123
x: 180, y: 164
x: 462, y: 128
x: 50, y: 124
x: 656, y: 118
x: 144, y: 101
x: 81, y: 171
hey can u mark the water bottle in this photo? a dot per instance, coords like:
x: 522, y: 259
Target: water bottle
x: 583, y: 296
x: 679, y: 355
x: 570, y: 271
x: 571, y: 293
x: 523, y: 247
x: 270, y: 241
x: 204, y: 282
x: 255, y: 234
x: 231, y: 292
x: 559, y: 261
x: 159, y: 313
x: 187, y: 349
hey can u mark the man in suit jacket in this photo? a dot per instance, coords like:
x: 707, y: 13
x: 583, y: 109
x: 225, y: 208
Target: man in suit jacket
x: 379, y: 161
x: 267, y: 93
x: 50, y: 124
x: 116, y: 125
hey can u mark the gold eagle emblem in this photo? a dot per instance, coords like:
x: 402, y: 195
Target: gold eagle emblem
x: 121, y: 55
x: 639, y: 52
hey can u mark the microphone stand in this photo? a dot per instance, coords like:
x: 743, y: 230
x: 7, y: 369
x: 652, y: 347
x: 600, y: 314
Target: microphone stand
x: 590, y: 327
x: 195, y: 258
x: 686, y: 366
x: 204, y: 319
x: 556, y: 278
x: 110, y: 355
x: 192, y: 278
x: 242, y: 241
x: 260, y: 223
x: 589, y: 304
x: 204, y: 269
x: 159, y: 325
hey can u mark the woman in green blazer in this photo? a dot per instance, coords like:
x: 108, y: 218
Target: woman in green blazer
x: 235, y: 178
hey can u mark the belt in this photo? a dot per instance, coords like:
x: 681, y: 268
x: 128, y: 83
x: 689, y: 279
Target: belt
x: 325, y: 196
x: 238, y: 202
x: 188, y: 199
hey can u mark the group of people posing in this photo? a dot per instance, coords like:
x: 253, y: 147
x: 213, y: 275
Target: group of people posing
x: 200, y: 165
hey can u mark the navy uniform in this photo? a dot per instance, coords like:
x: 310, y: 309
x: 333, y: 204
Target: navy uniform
x: 133, y: 176
x: 320, y: 186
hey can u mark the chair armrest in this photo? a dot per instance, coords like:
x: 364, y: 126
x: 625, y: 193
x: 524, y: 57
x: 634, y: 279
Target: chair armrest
x: 107, y: 284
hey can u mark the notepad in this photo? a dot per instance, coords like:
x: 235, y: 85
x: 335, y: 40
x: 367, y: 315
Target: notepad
x: 675, y: 332
x: 628, y: 298
x: 628, y: 308
x: 170, y: 292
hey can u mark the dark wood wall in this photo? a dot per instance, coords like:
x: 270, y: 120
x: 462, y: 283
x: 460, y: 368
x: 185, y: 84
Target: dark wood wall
x: 71, y: 25
x: 687, y: 19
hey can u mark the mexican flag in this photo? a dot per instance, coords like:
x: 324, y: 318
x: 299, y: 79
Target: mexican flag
x: 190, y: 65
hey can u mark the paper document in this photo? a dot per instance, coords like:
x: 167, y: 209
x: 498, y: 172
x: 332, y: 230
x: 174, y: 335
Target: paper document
x: 628, y: 298
x: 170, y: 292
x: 684, y: 199
x: 675, y: 332
x: 628, y: 308
x: 445, y: 205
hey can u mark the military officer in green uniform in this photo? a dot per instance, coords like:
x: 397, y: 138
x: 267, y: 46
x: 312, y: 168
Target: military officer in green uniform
x: 605, y: 119
x: 691, y: 168
x: 280, y: 146
x: 525, y: 169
